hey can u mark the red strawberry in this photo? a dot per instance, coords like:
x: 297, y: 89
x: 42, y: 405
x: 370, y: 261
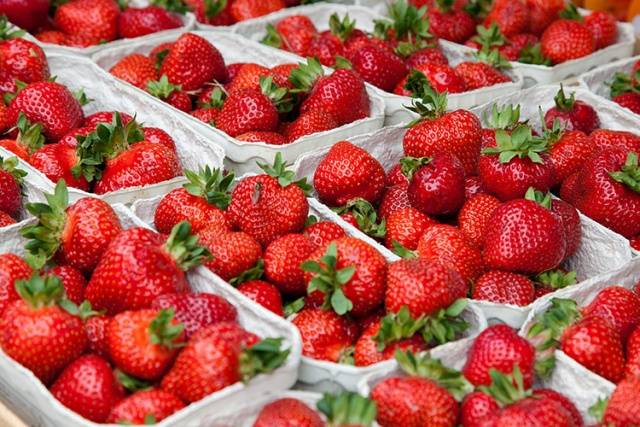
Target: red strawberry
x: 55, y: 338
x: 159, y: 268
x: 324, y: 232
x: 623, y: 408
x: 264, y: 293
x: 477, y: 75
x: 472, y: 186
x: 475, y: 217
x: 293, y: 33
x: 395, y: 198
x: 282, y: 259
x: 212, y: 13
x: 512, y: 17
x: 23, y: 60
x: 406, y: 226
x: 10, y: 186
x: 569, y: 150
x: 504, y: 288
x: 309, y: 123
x: 136, y: 69
x: 348, y: 172
x: 12, y: 269
x: 632, y: 366
x: 499, y: 347
x: 596, y: 345
x: 379, y: 67
x: 542, y: 13
x: 270, y: 138
x: 72, y: 280
x: 158, y: 136
x: 570, y: 221
x: 56, y: 162
x: 171, y: 94
x: 426, y: 55
x: 325, y: 335
x: 603, y: 26
x: 232, y: 253
x: 450, y: 23
x: 145, y: 405
x: 192, y: 62
x: 574, y: 115
x: 241, y: 10
x: 603, y: 139
x: 565, y: 40
x: 6, y: 220
x: 93, y: 120
x: 95, y: 20
x: 27, y: 14
x: 457, y: 132
x: 96, y: 327
x: 88, y: 387
x: 248, y: 77
x: 80, y: 234
x: 441, y: 77
x: 546, y: 393
x: 218, y: 356
x: 137, y: 22
x: 287, y: 411
x: 28, y: 140
x: 617, y: 305
x: 326, y: 47
x: 629, y: 100
x: 477, y: 406
x: 269, y: 205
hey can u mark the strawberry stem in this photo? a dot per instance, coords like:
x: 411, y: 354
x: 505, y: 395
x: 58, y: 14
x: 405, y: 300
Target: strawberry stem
x: 183, y: 247
x: 398, y: 326
x: 177, y: 6
x: 556, y: 279
x: 629, y: 174
x: 162, y: 88
x: 347, y: 408
x: 262, y: 358
x: 506, y: 389
x: 29, y: 135
x: 7, y: 31
x: 445, y: 325
x: 10, y: 165
x: 40, y: 291
x: 506, y: 117
x: 162, y: 330
x: 253, y: 273
x: 543, y: 199
x: 273, y: 37
x: 520, y: 143
x: 341, y: 28
x: 366, y: 217
x: 305, y: 75
x: 210, y: 184
x: 285, y: 177
x: 562, y: 102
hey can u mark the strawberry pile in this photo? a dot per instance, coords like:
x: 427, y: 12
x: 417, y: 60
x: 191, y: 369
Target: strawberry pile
x: 247, y: 101
x: 11, y: 179
x: 229, y: 12
x: 541, y: 32
x: 84, y: 23
x: 116, y: 335
x: 625, y: 89
x: 397, y: 58
x: 622, y: 407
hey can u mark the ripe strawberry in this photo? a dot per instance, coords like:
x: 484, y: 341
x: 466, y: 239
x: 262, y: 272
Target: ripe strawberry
x: 269, y: 205
x: 159, y: 268
x: 171, y: 94
x: 72, y: 280
x: 10, y: 186
x: 378, y: 67
x: 629, y: 100
x: 326, y: 47
x: 603, y: 26
x: 201, y: 201
x: 287, y: 411
x: 477, y: 75
x: 27, y: 14
x: 324, y: 232
x: 96, y: 327
x: 618, y: 306
x: 144, y: 406
x: 137, y: 22
x: 426, y: 55
x: 565, y: 40
x: 56, y: 339
x: 475, y: 217
x: 477, y: 406
x: 472, y: 186
x: 441, y: 77
x: 309, y: 123
x: 95, y: 20
x: 12, y: 269
x: 241, y: 10
x: 158, y: 136
x: 212, y: 13
x: 93, y: 120
x: 293, y: 33
x: 264, y: 293
x: 348, y: 172
x: 623, y: 408
x: 406, y: 226
x: 282, y: 260
x: 6, y: 220
x: 572, y: 114
x: 270, y: 138
x: 512, y: 17
x: 56, y: 162
x: 192, y: 61
x: 218, y: 356
x: 504, y: 288
x: 232, y: 253
x: 569, y: 150
x: 136, y: 69
x: 50, y: 104
x: 499, y: 347
x: 325, y: 335
x: 603, y: 139
x: 450, y: 23
x: 23, y: 60
x: 28, y: 140
x: 88, y: 387
x: 457, y: 132
x: 248, y: 77
x: 341, y: 94
x: 596, y: 345
x: 542, y: 13
x: 632, y: 366
x: 394, y: 198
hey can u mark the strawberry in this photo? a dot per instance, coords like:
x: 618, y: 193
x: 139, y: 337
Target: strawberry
x: 596, y: 345
x: 248, y: 77
x: 348, y: 172
x: 325, y: 335
x: 512, y: 17
x: 56, y: 162
x: 144, y: 343
x: 629, y: 100
x: 447, y: 245
x: 264, y: 293
x: 475, y: 217
x: 96, y: 327
x: 215, y: 12
x: 270, y: 138
x: 457, y: 132
x: 56, y: 339
x: 450, y: 23
x: 504, y: 288
x: 27, y: 14
x: 569, y: 150
x: 542, y: 13
x: 196, y: 310
x: 95, y: 20
x: 6, y: 220
x: 10, y: 186
x: 218, y: 356
x: 50, y: 104
x: 12, y: 269
x: 499, y: 348
x: 207, y: 115
x: 424, y: 286
x: 269, y: 205
x: 72, y: 280
x: 287, y: 411
x: 441, y: 77
x: 623, y: 408
x: 145, y: 406
x: 570, y: 221
x: 341, y: 94
x: 23, y: 60
x: 472, y: 186
x: 394, y: 198
x: 405, y: 227
x: 565, y: 40
x: 136, y: 69
x: 293, y: 33
x: 192, y: 61
x: 426, y: 55
x: 171, y: 94
x: 158, y: 136
x: 93, y: 120
x: 282, y: 259
x: 159, y: 268
x: 603, y: 139
x: 603, y: 26
x: 241, y: 10
x: 309, y: 123
x: 572, y: 114
x: 632, y: 366
x: 562, y: 400
x: 475, y: 407
x: 76, y: 234
x: 378, y: 67
x: 88, y: 387
x: 326, y: 47
x: 617, y: 305
x: 232, y: 253
x: 201, y: 201
x: 28, y: 141
x: 483, y: 73
x: 137, y: 22
x: 324, y: 232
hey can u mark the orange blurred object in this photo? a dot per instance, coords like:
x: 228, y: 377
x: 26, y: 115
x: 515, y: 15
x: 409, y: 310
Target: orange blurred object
x: 620, y: 8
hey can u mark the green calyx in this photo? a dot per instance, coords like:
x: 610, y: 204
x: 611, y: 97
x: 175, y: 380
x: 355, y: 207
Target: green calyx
x: 506, y: 117
x: 81, y: 97
x: 424, y: 366
x: 183, y: 247
x: 216, y: 99
x: 493, y: 58
x: 293, y: 307
x: 210, y: 184
x: 532, y: 54
x: 541, y: 198
x: 7, y: 31
x: 554, y: 133
x: 213, y: 8
x: 489, y: 38
x: 130, y: 383
x: 342, y: 63
x: 406, y: 22
x: 329, y: 280
x: 398, y: 326
x: 546, y: 331
x: 629, y: 174
x: 444, y: 5
x: 341, y: 28
x: 108, y: 141
x: 281, y: 97
x: 273, y: 37
x: 402, y: 251
x: 366, y: 217
x: 84, y: 311
x: 262, y: 358
x: 598, y: 409
x: 410, y: 165
x: 29, y: 135
x: 446, y: 324
x: 285, y: 177
x: 562, y: 102
x: 520, y: 143
x: 10, y: 165
x: 506, y: 389
x: 623, y: 83
x: 9, y: 96
x: 253, y: 273
x: 44, y: 237
x: 556, y: 279
x: 305, y: 75
x: 40, y: 291
x: 431, y: 104
x: 571, y: 12
x: 478, y: 8
x: 164, y: 332
x: 406, y: 49
x: 162, y: 88
x: 177, y: 6
x: 347, y: 408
